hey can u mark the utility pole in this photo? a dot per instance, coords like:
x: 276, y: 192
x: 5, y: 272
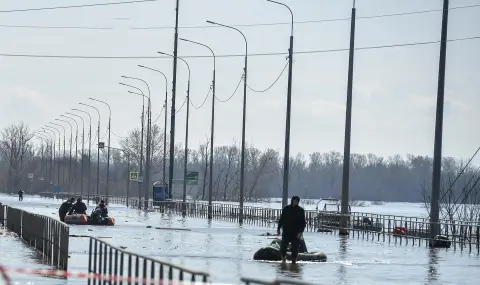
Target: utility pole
x: 174, y: 92
x: 348, y: 131
x: 437, y: 151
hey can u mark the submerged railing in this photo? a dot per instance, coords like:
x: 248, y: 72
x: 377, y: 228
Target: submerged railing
x: 108, y: 263
x: 463, y: 235
x: 47, y: 235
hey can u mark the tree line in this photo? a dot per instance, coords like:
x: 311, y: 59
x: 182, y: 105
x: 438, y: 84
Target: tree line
x: 317, y: 175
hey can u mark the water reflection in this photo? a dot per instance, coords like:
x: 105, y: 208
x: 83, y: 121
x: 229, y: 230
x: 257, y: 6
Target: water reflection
x: 433, y: 274
x: 342, y: 269
x: 207, y: 245
x: 290, y: 270
x: 239, y: 259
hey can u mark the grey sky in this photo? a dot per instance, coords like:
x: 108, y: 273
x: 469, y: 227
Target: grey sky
x: 394, y: 88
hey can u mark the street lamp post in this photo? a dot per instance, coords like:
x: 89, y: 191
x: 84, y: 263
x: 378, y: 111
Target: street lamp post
x: 89, y: 150
x: 76, y: 147
x: 109, y: 134
x: 98, y: 149
x: 165, y: 126
x: 70, y: 160
x: 128, y: 167
x: 286, y: 156
x: 242, y: 159
x: 210, y: 184
x: 52, y: 146
x: 64, y: 154
x: 149, y: 142
x: 53, y: 129
x: 141, y: 139
x: 44, y: 163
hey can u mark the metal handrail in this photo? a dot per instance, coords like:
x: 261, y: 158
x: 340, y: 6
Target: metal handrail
x: 98, y: 264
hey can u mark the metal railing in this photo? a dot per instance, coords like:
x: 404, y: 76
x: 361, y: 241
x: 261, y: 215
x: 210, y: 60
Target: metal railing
x: 47, y: 235
x: 248, y: 281
x: 464, y: 235
x: 113, y: 265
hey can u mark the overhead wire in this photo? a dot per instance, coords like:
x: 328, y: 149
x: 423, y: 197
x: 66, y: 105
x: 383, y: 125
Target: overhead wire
x: 235, y: 55
x: 179, y: 109
x: 118, y: 136
x: 204, y: 100
x: 76, y: 6
x: 158, y: 117
x: 214, y: 26
x: 274, y: 82
x: 234, y: 92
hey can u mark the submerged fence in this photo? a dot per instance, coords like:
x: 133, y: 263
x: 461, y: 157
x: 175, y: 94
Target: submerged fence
x: 47, y: 235
x: 462, y: 235
x: 111, y: 264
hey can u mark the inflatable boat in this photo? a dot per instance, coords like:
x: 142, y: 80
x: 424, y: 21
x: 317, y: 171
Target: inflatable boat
x: 271, y: 252
x: 77, y: 219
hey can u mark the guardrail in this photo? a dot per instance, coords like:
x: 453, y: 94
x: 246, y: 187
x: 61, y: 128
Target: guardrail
x: 108, y: 263
x: 47, y: 235
x: 248, y: 281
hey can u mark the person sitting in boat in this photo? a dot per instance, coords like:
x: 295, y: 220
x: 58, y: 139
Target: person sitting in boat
x: 103, y: 207
x: 78, y: 208
x: 97, y: 213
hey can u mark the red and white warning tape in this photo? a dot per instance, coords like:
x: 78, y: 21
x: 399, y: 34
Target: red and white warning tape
x: 83, y: 275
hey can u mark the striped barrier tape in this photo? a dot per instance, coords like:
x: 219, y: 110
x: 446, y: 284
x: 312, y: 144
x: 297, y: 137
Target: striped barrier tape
x: 84, y: 275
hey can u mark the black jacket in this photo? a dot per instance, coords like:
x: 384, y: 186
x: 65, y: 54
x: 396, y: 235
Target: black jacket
x: 104, y: 211
x: 292, y: 220
x: 64, y: 208
x: 79, y: 208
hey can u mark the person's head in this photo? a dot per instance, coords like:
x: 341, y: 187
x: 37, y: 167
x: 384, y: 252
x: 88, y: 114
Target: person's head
x: 102, y: 206
x: 102, y: 201
x: 71, y: 200
x: 295, y: 201
x: 79, y: 200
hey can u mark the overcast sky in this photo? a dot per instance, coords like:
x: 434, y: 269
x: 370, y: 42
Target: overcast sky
x: 394, y: 88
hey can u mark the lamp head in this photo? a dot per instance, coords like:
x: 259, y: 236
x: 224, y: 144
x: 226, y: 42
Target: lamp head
x: 210, y: 22
x: 141, y: 66
x: 123, y: 76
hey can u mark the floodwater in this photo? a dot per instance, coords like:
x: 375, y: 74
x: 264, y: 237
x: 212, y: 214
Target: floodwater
x: 225, y: 250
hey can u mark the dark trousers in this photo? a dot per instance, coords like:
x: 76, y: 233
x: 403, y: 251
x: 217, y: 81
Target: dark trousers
x: 20, y: 197
x: 289, y: 239
x: 62, y: 218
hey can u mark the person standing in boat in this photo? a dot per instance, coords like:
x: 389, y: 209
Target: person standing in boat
x: 79, y: 208
x: 65, y: 208
x: 292, y: 221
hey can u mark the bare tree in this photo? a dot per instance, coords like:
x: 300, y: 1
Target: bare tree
x: 259, y: 163
x: 15, y: 146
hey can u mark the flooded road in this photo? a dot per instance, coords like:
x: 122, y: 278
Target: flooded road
x: 225, y: 250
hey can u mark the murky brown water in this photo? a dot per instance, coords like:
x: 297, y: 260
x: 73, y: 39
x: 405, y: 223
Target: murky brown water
x: 226, y: 250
